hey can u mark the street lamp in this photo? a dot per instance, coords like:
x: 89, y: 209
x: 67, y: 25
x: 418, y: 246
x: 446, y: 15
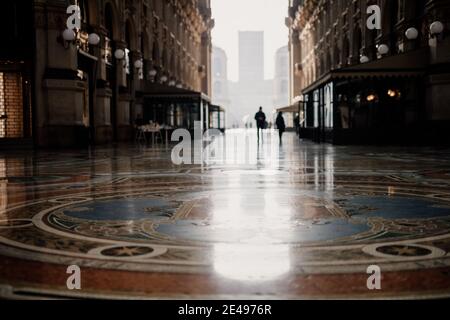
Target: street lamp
x: 383, y: 49
x: 394, y: 93
x: 69, y: 35
x: 364, y: 59
x: 119, y: 54
x: 412, y: 34
x: 436, y: 28
x: 138, y: 64
x: 94, y: 39
x: 372, y: 97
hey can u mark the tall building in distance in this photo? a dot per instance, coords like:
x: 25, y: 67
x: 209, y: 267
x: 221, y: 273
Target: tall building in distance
x: 251, y: 90
x: 281, y: 78
x: 220, y: 83
x: 251, y: 56
x: 281, y: 85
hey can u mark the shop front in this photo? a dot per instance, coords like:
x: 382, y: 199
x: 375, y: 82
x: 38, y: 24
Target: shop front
x: 291, y: 115
x: 16, y: 74
x: 217, y: 117
x: 374, y: 103
x: 174, y: 108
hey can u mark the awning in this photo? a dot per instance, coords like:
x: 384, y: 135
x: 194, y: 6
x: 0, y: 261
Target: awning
x: 410, y: 64
x: 158, y: 91
x: 289, y: 109
x: 216, y: 108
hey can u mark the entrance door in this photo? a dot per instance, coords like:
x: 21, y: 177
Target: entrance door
x: 16, y: 32
x: 15, y: 106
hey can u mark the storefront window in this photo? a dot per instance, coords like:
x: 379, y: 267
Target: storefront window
x: 180, y: 115
x: 316, y: 108
x: 11, y: 105
x: 344, y: 112
x: 171, y: 115
x: 329, y: 109
x: 2, y: 108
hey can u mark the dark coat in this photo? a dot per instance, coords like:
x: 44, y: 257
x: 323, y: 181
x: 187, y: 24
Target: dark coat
x: 260, y: 118
x: 281, y: 124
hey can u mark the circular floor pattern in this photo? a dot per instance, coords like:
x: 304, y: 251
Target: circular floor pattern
x: 330, y: 231
x: 312, y: 222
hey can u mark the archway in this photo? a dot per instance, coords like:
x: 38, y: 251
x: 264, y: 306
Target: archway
x: 16, y: 65
x: 112, y: 35
x: 357, y: 43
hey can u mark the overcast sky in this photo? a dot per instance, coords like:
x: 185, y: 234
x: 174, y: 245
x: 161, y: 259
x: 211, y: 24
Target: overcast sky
x: 250, y: 15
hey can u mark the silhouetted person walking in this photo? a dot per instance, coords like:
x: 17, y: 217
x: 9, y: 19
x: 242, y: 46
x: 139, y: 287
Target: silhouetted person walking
x: 281, y: 126
x: 260, y: 118
x: 297, y: 124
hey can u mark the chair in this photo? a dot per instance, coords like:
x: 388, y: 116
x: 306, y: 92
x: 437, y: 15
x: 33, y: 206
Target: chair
x: 155, y: 130
x: 140, y: 134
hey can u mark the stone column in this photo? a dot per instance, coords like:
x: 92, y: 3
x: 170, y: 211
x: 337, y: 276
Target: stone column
x: 102, y: 107
x: 61, y: 95
x: 124, y: 98
x: 438, y: 80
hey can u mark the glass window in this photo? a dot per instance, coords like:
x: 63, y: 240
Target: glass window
x: 316, y: 108
x: 329, y: 106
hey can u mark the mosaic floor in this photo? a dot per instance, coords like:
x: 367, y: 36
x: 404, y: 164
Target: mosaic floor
x: 301, y: 221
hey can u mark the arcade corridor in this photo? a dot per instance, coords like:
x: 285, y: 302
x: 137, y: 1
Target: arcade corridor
x: 304, y: 222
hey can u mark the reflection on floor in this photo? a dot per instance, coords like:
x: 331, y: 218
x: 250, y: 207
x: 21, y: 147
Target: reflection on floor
x: 303, y: 221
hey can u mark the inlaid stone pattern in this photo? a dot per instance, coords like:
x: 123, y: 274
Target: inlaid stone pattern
x: 119, y: 210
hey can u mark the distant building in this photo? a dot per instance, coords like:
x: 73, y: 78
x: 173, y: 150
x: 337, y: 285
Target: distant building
x: 251, y: 56
x: 281, y: 79
x: 281, y: 84
x: 220, y: 83
x: 252, y: 90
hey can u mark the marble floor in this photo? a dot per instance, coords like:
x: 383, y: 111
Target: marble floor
x: 296, y: 221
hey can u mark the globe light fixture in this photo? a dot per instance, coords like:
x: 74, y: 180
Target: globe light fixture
x: 138, y: 64
x: 69, y: 35
x: 371, y: 98
x: 94, y: 39
x: 164, y: 79
x: 119, y: 54
x: 394, y: 93
x: 152, y: 73
x: 412, y: 34
x: 383, y: 49
x: 436, y: 28
x: 364, y: 59
x: 172, y: 83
